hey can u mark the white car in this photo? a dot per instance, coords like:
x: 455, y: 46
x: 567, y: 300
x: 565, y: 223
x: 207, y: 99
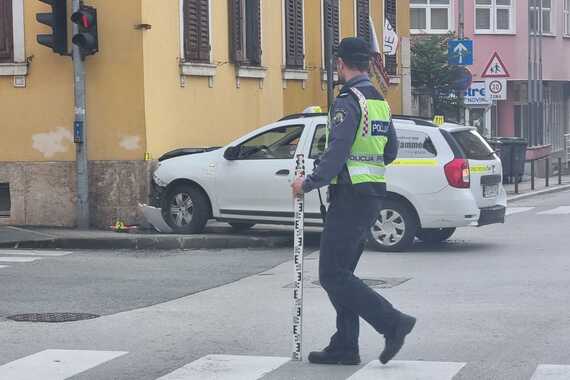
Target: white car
x: 445, y: 177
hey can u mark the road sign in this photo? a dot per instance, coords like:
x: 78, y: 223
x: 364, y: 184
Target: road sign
x: 464, y: 79
x: 495, y: 68
x: 460, y: 52
x: 477, y: 95
x: 497, y: 88
x: 298, y: 265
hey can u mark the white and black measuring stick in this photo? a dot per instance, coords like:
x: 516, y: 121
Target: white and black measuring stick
x: 299, y: 210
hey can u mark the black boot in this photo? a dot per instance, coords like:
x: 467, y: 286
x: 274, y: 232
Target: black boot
x: 395, y: 341
x: 334, y: 356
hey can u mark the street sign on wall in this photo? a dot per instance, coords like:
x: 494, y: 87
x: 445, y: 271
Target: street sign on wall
x: 495, y: 68
x: 477, y: 95
x: 497, y: 88
x: 460, y: 52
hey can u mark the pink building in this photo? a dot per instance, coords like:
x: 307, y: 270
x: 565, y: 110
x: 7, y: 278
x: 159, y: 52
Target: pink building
x: 502, y: 27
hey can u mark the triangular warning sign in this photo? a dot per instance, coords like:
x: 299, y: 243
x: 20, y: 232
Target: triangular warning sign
x: 495, y: 68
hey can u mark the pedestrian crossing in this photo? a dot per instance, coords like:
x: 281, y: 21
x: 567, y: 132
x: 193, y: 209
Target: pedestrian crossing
x: 561, y: 210
x: 56, y: 364
x: 9, y: 257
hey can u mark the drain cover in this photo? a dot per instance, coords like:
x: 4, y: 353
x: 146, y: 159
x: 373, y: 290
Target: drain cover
x: 377, y: 283
x: 52, y: 317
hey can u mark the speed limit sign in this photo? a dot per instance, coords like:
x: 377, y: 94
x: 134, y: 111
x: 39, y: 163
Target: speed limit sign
x: 497, y: 88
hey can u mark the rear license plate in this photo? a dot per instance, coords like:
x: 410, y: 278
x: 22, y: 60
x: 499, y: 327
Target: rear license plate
x: 490, y: 191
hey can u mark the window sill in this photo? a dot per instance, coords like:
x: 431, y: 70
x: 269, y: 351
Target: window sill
x: 502, y: 33
x: 295, y: 74
x: 198, y: 69
x: 13, y: 69
x: 256, y: 72
x: 335, y: 76
x: 425, y: 31
x: 395, y: 80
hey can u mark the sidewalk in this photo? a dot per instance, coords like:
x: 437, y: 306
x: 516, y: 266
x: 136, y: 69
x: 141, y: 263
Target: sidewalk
x: 540, y: 187
x: 216, y: 236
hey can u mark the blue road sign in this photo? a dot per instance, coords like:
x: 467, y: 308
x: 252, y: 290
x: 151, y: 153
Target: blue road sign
x: 460, y: 52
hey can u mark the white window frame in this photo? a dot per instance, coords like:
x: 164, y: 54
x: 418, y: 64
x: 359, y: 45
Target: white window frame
x: 189, y: 68
x: 493, y: 8
x: 552, y: 31
x: 566, y: 15
x: 19, y: 67
x: 428, y: 7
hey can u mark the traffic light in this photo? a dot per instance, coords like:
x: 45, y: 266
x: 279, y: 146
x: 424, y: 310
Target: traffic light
x: 57, y: 20
x: 87, y: 39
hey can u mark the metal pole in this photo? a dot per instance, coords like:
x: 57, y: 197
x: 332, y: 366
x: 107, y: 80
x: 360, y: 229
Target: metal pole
x: 532, y: 175
x: 329, y: 64
x: 540, y: 82
x: 80, y: 132
x: 461, y: 19
x: 560, y: 170
x: 530, y: 88
x: 547, y: 171
x: 535, y: 78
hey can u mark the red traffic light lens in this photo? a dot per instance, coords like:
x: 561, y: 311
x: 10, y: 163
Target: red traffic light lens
x: 86, y: 21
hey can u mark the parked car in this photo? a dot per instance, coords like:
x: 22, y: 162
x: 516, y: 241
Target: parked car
x: 444, y: 178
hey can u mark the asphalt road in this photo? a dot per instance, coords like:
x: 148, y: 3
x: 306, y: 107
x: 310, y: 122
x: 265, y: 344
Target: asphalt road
x: 493, y: 303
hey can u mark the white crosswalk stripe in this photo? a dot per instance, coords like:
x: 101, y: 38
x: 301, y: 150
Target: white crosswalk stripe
x: 55, y: 364
x: 404, y: 370
x: 562, y: 210
x: 4, y: 266
x: 552, y: 372
x: 518, y: 210
x: 227, y: 367
x: 34, y: 253
x: 5, y: 259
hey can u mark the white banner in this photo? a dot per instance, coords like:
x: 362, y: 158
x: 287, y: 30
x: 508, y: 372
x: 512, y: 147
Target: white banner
x: 391, y: 39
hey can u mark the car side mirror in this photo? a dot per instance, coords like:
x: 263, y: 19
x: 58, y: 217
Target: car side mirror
x: 232, y: 153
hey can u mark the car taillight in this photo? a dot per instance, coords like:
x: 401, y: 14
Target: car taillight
x: 458, y: 174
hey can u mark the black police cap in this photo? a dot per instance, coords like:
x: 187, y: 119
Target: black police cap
x: 354, y: 49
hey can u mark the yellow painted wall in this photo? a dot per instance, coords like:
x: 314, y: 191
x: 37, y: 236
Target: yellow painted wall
x: 198, y: 115
x: 36, y: 122
x: 298, y: 98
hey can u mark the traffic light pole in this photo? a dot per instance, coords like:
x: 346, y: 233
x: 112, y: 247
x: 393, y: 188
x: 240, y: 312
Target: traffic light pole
x: 80, y: 129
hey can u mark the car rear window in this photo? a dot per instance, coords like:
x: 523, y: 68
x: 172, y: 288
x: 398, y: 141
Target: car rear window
x: 473, y: 145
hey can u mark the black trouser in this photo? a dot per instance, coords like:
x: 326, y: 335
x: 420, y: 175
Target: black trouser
x: 349, y: 218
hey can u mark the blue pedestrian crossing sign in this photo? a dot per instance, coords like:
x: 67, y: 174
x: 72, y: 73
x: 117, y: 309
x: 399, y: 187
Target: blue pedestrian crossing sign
x: 460, y: 52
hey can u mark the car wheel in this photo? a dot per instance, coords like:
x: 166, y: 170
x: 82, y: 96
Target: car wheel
x: 240, y: 227
x: 395, y: 229
x: 435, y: 235
x: 186, y: 209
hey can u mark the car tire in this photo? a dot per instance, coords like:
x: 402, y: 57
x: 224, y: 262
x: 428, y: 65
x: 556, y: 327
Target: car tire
x: 186, y: 209
x: 435, y: 235
x: 240, y: 227
x: 396, y: 227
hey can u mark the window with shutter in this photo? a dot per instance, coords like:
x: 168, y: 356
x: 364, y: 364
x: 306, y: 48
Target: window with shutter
x: 245, y: 32
x: 197, y: 30
x: 294, y: 52
x: 253, y: 32
x: 363, y: 19
x: 331, y: 15
x: 391, y: 15
x: 6, y: 32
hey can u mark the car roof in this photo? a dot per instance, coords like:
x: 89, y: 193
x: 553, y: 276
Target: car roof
x: 401, y: 120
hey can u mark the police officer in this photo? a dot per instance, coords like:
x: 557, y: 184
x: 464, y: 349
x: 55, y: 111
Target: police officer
x: 361, y: 142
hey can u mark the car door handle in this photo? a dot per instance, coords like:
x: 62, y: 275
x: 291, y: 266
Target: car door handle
x: 282, y: 172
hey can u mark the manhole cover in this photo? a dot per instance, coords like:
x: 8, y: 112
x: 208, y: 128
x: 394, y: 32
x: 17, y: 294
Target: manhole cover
x: 52, y: 317
x: 377, y: 283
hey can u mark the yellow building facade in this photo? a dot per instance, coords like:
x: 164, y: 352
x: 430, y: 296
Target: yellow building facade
x: 146, y: 95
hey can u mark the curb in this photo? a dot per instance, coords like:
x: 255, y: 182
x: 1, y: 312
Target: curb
x: 554, y: 189
x: 153, y: 243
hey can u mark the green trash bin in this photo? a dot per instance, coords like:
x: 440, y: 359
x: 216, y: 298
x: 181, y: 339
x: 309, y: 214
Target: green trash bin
x: 512, y: 151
